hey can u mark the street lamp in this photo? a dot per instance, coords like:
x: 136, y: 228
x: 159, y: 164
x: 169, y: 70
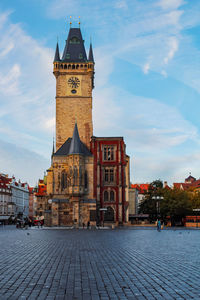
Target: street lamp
x: 158, y: 199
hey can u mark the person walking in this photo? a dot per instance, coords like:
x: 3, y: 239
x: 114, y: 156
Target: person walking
x: 158, y: 225
x: 88, y: 225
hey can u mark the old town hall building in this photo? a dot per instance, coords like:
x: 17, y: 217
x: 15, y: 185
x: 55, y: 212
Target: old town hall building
x: 89, y: 176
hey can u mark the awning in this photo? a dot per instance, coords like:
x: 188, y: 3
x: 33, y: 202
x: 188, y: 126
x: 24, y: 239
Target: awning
x: 139, y: 216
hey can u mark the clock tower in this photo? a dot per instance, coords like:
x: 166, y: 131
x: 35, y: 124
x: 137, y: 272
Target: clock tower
x: 74, y: 74
x: 88, y: 180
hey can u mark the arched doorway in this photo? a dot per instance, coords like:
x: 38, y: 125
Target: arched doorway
x: 109, y: 215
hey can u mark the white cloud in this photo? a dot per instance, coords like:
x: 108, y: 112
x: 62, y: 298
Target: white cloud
x: 9, y: 83
x: 26, y: 86
x: 121, y: 4
x: 164, y: 73
x: 170, y: 4
x: 173, y: 48
x: 146, y: 68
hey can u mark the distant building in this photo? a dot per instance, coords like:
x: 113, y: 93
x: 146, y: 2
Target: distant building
x: 133, y: 201
x: 20, y: 197
x: 40, y: 200
x: 142, y: 188
x: 31, y: 202
x: 14, y: 198
x: 191, y: 183
x: 6, y: 207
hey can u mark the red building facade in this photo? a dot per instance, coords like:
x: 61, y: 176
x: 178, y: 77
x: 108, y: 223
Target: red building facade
x: 111, y: 178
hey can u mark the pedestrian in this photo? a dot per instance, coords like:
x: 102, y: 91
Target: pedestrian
x: 158, y: 225
x: 88, y: 225
x: 83, y: 225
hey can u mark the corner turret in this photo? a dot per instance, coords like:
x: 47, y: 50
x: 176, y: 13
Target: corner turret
x: 57, y: 54
x: 90, y: 56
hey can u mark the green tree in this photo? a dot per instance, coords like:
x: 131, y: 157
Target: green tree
x: 149, y: 204
x: 176, y: 204
x: 172, y: 202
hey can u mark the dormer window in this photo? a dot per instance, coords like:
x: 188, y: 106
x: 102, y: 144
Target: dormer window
x: 74, y: 40
x: 67, y: 56
x: 80, y: 56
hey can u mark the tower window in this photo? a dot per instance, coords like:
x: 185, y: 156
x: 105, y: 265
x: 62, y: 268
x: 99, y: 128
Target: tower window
x: 74, y: 40
x: 108, y: 153
x: 67, y: 56
x: 80, y: 56
x: 108, y: 175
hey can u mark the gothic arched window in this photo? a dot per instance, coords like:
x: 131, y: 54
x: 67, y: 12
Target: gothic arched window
x: 112, y: 196
x: 105, y: 196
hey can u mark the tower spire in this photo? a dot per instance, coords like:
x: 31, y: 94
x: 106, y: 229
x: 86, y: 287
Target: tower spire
x: 75, y: 146
x: 53, y: 149
x: 57, y: 54
x: 74, y: 49
x: 90, y: 56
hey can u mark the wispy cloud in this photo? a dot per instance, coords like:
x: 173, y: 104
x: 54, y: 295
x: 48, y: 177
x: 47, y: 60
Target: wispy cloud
x: 170, y: 4
x: 173, y: 47
x: 26, y: 165
x: 148, y: 34
x: 26, y: 84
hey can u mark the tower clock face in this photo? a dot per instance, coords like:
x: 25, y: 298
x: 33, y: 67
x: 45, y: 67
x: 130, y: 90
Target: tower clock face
x: 74, y: 82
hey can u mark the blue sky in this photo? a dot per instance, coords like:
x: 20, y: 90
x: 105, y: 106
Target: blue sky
x: 147, y: 82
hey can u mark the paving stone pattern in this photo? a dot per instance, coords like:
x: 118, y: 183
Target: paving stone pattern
x: 99, y: 264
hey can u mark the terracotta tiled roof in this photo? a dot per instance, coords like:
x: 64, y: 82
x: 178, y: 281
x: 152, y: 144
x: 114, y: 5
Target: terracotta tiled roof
x: 143, y: 187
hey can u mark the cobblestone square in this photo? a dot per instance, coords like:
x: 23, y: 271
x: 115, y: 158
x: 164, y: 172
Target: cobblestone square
x: 99, y: 264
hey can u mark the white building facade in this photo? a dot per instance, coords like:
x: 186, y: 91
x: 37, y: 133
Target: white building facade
x: 20, y: 198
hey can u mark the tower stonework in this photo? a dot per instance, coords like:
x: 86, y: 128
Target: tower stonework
x: 74, y: 83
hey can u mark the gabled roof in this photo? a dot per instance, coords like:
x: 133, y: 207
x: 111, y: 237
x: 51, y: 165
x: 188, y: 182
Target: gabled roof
x: 74, y: 49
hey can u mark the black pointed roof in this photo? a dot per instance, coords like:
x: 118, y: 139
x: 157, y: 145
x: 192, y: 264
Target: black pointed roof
x: 57, y: 54
x: 73, y: 146
x: 74, y: 49
x: 90, y: 56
